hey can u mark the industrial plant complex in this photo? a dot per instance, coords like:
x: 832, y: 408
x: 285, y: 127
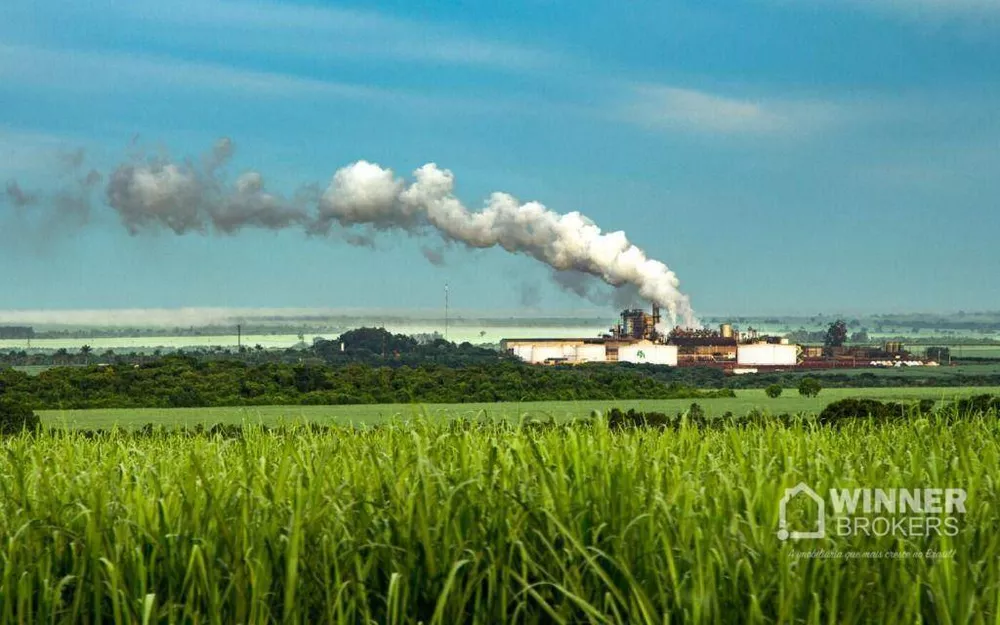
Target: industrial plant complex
x: 639, y: 338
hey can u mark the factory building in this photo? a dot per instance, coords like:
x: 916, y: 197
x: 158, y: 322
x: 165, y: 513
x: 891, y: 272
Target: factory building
x: 556, y: 351
x: 767, y: 355
x: 705, y: 346
x: 639, y: 338
x: 647, y: 352
x: 579, y: 351
x: 16, y: 332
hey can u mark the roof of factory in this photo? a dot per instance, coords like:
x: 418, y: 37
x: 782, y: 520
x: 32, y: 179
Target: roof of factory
x: 591, y: 340
x: 696, y: 341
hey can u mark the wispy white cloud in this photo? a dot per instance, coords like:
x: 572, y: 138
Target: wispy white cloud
x: 290, y: 30
x: 97, y: 71
x: 337, y: 31
x: 691, y: 110
x: 935, y: 10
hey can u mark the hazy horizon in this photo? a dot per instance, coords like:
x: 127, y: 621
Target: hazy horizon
x: 215, y: 316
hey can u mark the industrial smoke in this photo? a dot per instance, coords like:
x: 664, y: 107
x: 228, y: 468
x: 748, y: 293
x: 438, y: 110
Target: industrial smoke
x: 364, y: 198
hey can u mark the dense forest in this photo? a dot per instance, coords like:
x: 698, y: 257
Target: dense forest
x: 180, y: 381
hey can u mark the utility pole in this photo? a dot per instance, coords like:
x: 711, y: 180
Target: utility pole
x: 446, y: 311
x: 239, y: 338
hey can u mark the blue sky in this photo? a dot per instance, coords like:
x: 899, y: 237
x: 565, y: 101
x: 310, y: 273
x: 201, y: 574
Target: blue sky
x: 795, y: 156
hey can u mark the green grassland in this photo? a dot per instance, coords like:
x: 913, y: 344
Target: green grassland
x: 928, y: 373
x: 427, y: 522
x: 745, y: 401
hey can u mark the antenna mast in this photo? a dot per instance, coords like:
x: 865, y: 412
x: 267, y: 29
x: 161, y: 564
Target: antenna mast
x: 446, y: 311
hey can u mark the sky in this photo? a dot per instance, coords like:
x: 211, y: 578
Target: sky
x: 780, y: 156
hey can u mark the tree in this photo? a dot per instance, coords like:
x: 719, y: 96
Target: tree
x: 773, y: 391
x: 85, y: 351
x: 809, y: 387
x: 15, y: 417
x: 61, y: 356
x: 836, y: 334
x: 939, y: 354
x: 696, y: 412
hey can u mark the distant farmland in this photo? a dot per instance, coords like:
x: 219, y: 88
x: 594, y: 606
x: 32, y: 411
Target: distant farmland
x: 456, y: 333
x: 745, y: 401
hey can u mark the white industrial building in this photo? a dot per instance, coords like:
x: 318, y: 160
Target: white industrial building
x: 767, y: 355
x: 578, y: 351
x: 637, y: 339
x: 648, y: 352
x: 553, y: 351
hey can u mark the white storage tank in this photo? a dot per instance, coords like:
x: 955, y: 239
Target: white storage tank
x: 591, y: 353
x: 650, y: 353
x: 767, y: 354
x: 524, y: 352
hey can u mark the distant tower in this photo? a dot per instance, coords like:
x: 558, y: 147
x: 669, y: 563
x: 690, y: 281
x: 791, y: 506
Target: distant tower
x: 446, y: 311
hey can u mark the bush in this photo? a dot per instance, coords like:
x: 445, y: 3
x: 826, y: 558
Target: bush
x: 696, y: 412
x: 619, y: 420
x: 809, y: 387
x: 850, y: 409
x: 16, y: 417
x: 773, y: 391
x: 979, y: 403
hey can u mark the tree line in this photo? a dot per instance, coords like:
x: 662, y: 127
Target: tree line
x: 180, y: 381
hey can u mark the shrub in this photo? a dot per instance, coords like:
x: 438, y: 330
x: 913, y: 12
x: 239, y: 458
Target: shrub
x: 773, y: 391
x: 979, y: 403
x: 850, y: 409
x: 15, y: 417
x: 809, y: 387
x: 696, y: 412
x: 619, y: 420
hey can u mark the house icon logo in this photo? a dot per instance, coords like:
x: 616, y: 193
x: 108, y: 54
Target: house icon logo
x: 640, y: 354
x: 792, y: 493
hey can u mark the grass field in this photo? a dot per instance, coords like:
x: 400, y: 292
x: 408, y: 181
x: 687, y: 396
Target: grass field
x: 745, y: 401
x: 429, y: 523
x: 33, y: 369
x: 913, y: 372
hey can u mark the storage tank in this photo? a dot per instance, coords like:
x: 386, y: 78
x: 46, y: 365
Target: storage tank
x: 648, y: 353
x: 591, y: 353
x: 767, y: 354
x: 726, y: 331
x: 524, y: 352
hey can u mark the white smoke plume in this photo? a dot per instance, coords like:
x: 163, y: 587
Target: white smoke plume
x: 186, y: 198
x: 434, y: 256
x: 18, y: 196
x: 364, y: 199
x: 365, y: 193
x: 69, y: 202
